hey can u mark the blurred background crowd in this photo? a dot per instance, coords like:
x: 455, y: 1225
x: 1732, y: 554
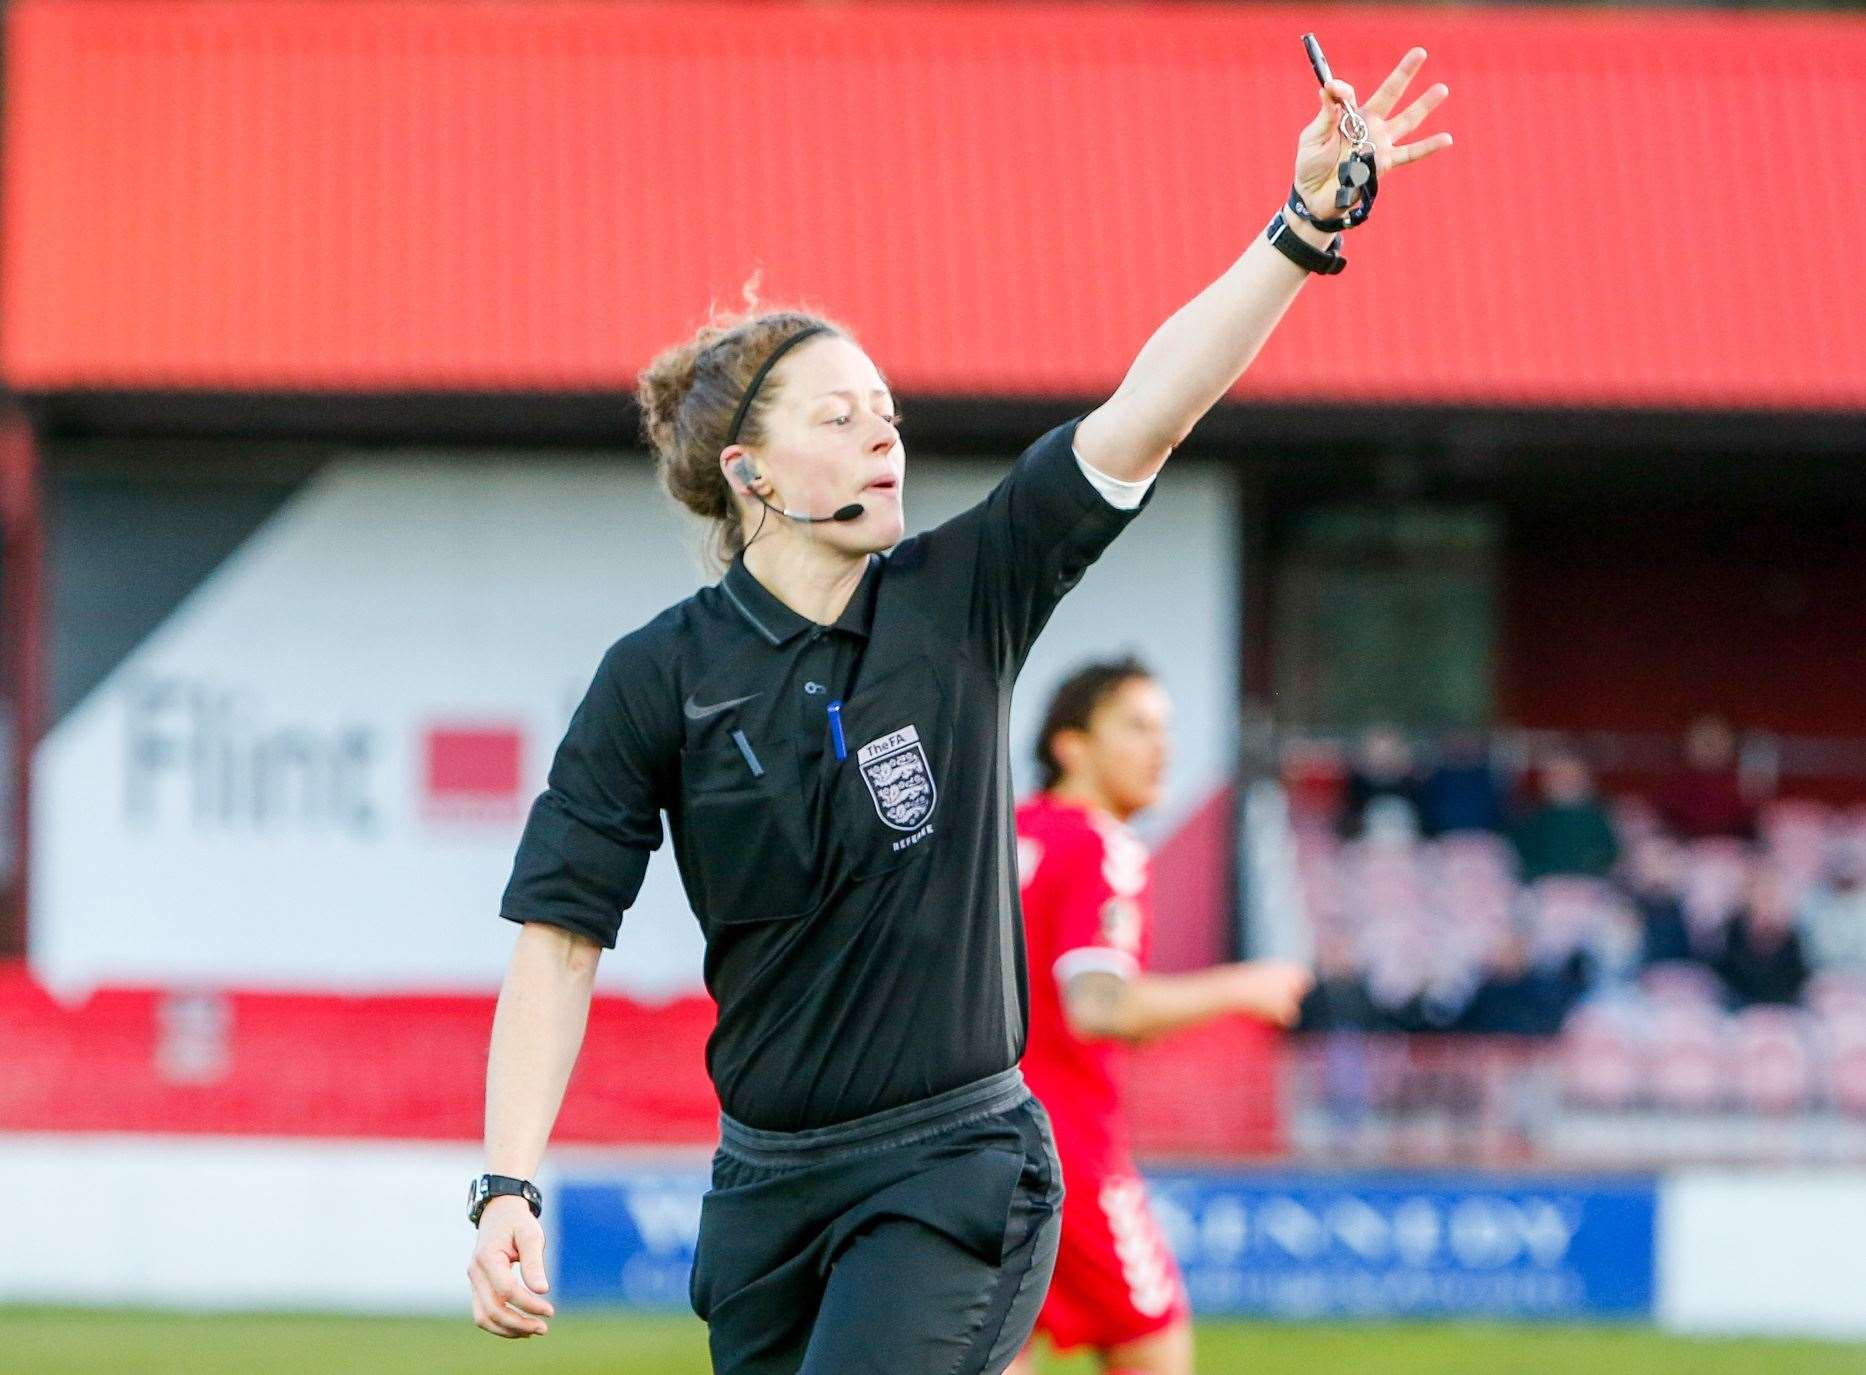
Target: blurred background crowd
x: 1696, y: 939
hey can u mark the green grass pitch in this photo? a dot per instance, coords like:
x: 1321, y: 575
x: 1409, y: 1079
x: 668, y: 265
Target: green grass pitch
x: 81, y: 1342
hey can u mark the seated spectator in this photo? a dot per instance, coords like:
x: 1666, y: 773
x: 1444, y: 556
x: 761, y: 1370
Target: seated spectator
x: 1834, y: 912
x: 1569, y: 833
x: 1339, y: 1001
x: 1762, y: 959
x: 1461, y: 792
x: 1383, y: 787
x: 1655, y: 882
x: 1706, y: 797
x: 1315, y: 777
x: 1516, y: 998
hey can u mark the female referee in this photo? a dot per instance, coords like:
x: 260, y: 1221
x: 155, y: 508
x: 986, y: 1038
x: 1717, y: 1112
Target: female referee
x: 825, y: 730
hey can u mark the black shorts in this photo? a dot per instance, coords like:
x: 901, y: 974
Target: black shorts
x: 916, y: 1241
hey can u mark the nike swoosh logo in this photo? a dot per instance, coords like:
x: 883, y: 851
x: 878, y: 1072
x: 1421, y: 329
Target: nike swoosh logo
x: 696, y: 712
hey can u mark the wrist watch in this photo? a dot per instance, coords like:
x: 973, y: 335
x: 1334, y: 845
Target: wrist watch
x: 487, y: 1187
x: 1303, y: 254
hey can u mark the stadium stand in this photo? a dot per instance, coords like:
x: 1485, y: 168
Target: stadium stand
x: 1679, y: 1038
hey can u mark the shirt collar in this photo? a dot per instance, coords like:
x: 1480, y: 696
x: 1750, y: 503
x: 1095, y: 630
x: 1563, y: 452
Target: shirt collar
x: 776, y: 623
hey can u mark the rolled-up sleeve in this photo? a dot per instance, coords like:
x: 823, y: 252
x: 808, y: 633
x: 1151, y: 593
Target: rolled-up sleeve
x: 1037, y: 532
x: 585, y: 849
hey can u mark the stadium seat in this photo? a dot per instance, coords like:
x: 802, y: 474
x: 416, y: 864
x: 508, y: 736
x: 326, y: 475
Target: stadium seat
x: 1836, y: 995
x: 1601, y: 1057
x: 1686, y: 1058
x: 1772, y: 1059
x: 1681, y: 982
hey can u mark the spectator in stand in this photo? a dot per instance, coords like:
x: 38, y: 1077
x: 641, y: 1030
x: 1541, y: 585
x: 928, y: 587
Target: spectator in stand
x: 1834, y: 913
x: 1570, y: 832
x: 1383, y: 786
x: 1655, y: 874
x: 1339, y: 1001
x: 1461, y: 792
x: 1762, y: 959
x: 1706, y: 797
x: 1517, y: 998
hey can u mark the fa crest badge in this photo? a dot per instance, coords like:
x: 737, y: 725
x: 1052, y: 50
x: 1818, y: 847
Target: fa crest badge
x: 899, y: 779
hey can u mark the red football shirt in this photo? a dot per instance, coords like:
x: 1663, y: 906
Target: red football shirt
x: 1084, y: 877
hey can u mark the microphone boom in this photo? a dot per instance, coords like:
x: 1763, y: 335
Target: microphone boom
x: 853, y: 511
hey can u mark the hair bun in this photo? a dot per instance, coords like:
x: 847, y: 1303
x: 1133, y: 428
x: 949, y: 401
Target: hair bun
x: 688, y: 396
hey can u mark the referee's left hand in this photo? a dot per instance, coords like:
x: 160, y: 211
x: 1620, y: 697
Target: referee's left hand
x: 1321, y: 150
x: 505, y: 1303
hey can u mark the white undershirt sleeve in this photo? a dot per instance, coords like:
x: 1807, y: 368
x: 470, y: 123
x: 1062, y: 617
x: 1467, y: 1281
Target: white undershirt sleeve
x: 1099, y: 959
x: 1118, y: 493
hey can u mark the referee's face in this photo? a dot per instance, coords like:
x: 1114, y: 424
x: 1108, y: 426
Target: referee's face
x: 830, y: 439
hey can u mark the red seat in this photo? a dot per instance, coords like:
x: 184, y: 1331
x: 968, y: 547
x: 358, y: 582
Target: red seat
x: 1773, y: 1059
x: 1685, y: 1058
x: 1600, y: 1058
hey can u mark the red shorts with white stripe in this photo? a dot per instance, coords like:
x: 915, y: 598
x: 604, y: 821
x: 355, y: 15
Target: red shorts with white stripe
x: 1116, y: 1280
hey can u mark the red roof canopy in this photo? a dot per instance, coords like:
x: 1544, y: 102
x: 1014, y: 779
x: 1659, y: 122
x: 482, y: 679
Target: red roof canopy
x: 1643, y: 208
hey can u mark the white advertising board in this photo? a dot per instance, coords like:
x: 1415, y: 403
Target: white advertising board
x: 1773, y: 1252
x: 313, y: 774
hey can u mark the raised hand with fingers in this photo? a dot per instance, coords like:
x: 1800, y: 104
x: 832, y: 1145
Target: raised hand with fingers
x: 1325, y: 144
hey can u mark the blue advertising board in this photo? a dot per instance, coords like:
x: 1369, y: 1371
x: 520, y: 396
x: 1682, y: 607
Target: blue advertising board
x: 1302, y: 1245
x: 626, y: 1236
x: 1277, y: 1244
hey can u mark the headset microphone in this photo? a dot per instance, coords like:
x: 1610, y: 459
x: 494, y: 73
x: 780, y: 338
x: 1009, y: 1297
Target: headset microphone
x: 853, y: 511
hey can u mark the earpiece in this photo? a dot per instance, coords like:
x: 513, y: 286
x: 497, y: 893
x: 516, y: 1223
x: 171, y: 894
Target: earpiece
x: 744, y: 469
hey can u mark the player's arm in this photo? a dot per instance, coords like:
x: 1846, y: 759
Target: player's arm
x: 1200, y: 352
x: 537, y: 1031
x: 1102, y: 1005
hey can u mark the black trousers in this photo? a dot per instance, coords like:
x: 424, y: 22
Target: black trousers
x: 917, y: 1241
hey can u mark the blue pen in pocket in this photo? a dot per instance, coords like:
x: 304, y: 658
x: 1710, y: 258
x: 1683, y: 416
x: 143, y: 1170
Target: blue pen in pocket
x: 835, y: 729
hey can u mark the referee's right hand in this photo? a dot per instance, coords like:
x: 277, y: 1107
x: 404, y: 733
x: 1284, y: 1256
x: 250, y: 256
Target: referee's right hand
x: 508, y: 1302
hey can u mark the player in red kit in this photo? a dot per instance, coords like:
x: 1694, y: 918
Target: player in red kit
x: 1103, y: 752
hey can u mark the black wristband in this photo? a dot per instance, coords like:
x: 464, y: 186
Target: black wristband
x: 1301, y: 252
x: 487, y: 1187
x: 1356, y: 214
x: 1298, y: 207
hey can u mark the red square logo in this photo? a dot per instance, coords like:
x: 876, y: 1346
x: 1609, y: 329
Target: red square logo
x: 474, y: 763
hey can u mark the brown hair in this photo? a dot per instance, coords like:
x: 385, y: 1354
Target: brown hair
x: 688, y: 396
x: 1076, y: 700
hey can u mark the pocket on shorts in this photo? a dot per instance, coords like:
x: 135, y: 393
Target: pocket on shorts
x: 968, y: 1198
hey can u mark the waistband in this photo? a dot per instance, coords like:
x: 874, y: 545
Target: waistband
x: 909, y: 1123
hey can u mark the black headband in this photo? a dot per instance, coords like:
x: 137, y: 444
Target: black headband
x: 758, y: 378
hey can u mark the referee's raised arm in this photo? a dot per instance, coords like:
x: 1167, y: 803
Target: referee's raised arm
x: 1203, y: 348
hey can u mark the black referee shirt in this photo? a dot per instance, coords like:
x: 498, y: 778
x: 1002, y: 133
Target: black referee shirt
x: 857, y: 887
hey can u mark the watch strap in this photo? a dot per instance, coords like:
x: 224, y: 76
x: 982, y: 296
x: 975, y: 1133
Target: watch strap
x: 487, y: 1187
x: 1301, y: 252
